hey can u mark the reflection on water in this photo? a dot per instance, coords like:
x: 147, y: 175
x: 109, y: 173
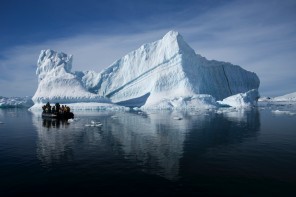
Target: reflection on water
x: 54, y: 123
x: 154, y: 141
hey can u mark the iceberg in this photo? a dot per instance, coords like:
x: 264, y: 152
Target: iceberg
x: 163, y: 74
x: 287, y: 97
x: 17, y: 102
x: 284, y: 100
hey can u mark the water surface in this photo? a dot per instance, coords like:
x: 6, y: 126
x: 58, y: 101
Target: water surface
x: 160, y: 153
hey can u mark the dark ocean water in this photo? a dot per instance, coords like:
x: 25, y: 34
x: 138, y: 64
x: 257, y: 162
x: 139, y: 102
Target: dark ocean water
x: 224, y: 153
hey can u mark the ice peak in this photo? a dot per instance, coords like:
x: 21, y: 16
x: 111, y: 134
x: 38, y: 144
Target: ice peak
x: 172, y: 34
x: 174, y: 38
x: 50, y: 60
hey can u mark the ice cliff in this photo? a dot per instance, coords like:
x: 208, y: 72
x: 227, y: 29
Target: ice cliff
x: 163, y: 70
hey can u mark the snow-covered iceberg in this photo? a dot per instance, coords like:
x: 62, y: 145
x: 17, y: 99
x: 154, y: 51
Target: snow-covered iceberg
x: 165, y: 73
x: 287, y: 97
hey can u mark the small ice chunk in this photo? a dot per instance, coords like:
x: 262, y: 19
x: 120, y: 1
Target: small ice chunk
x: 94, y: 122
x: 177, y: 118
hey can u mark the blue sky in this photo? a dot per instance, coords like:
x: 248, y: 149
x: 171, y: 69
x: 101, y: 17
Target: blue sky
x: 258, y: 35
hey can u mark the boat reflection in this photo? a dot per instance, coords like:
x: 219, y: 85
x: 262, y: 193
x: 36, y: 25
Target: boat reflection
x: 54, y: 123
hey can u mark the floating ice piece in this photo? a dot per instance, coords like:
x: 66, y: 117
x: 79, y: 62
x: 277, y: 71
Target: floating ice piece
x: 95, y: 122
x: 114, y: 117
x: 1, y: 122
x: 177, y: 118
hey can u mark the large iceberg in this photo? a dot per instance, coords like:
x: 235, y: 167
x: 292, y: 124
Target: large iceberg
x: 161, y: 73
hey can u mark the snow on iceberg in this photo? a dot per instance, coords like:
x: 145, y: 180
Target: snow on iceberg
x: 15, y: 102
x: 163, y: 74
x: 247, y: 99
x: 201, y: 101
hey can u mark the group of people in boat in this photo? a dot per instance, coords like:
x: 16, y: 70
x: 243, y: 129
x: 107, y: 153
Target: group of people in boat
x: 56, y: 109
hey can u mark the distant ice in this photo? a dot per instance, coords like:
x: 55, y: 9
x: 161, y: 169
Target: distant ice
x: 279, y: 112
x: 15, y: 102
x: 287, y: 97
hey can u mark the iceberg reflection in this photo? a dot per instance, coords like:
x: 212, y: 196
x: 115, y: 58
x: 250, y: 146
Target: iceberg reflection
x: 156, y: 141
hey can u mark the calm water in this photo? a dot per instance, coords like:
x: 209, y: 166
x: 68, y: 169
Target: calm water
x: 230, y: 153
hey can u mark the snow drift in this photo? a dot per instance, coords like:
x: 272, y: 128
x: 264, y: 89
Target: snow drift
x: 160, y: 73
